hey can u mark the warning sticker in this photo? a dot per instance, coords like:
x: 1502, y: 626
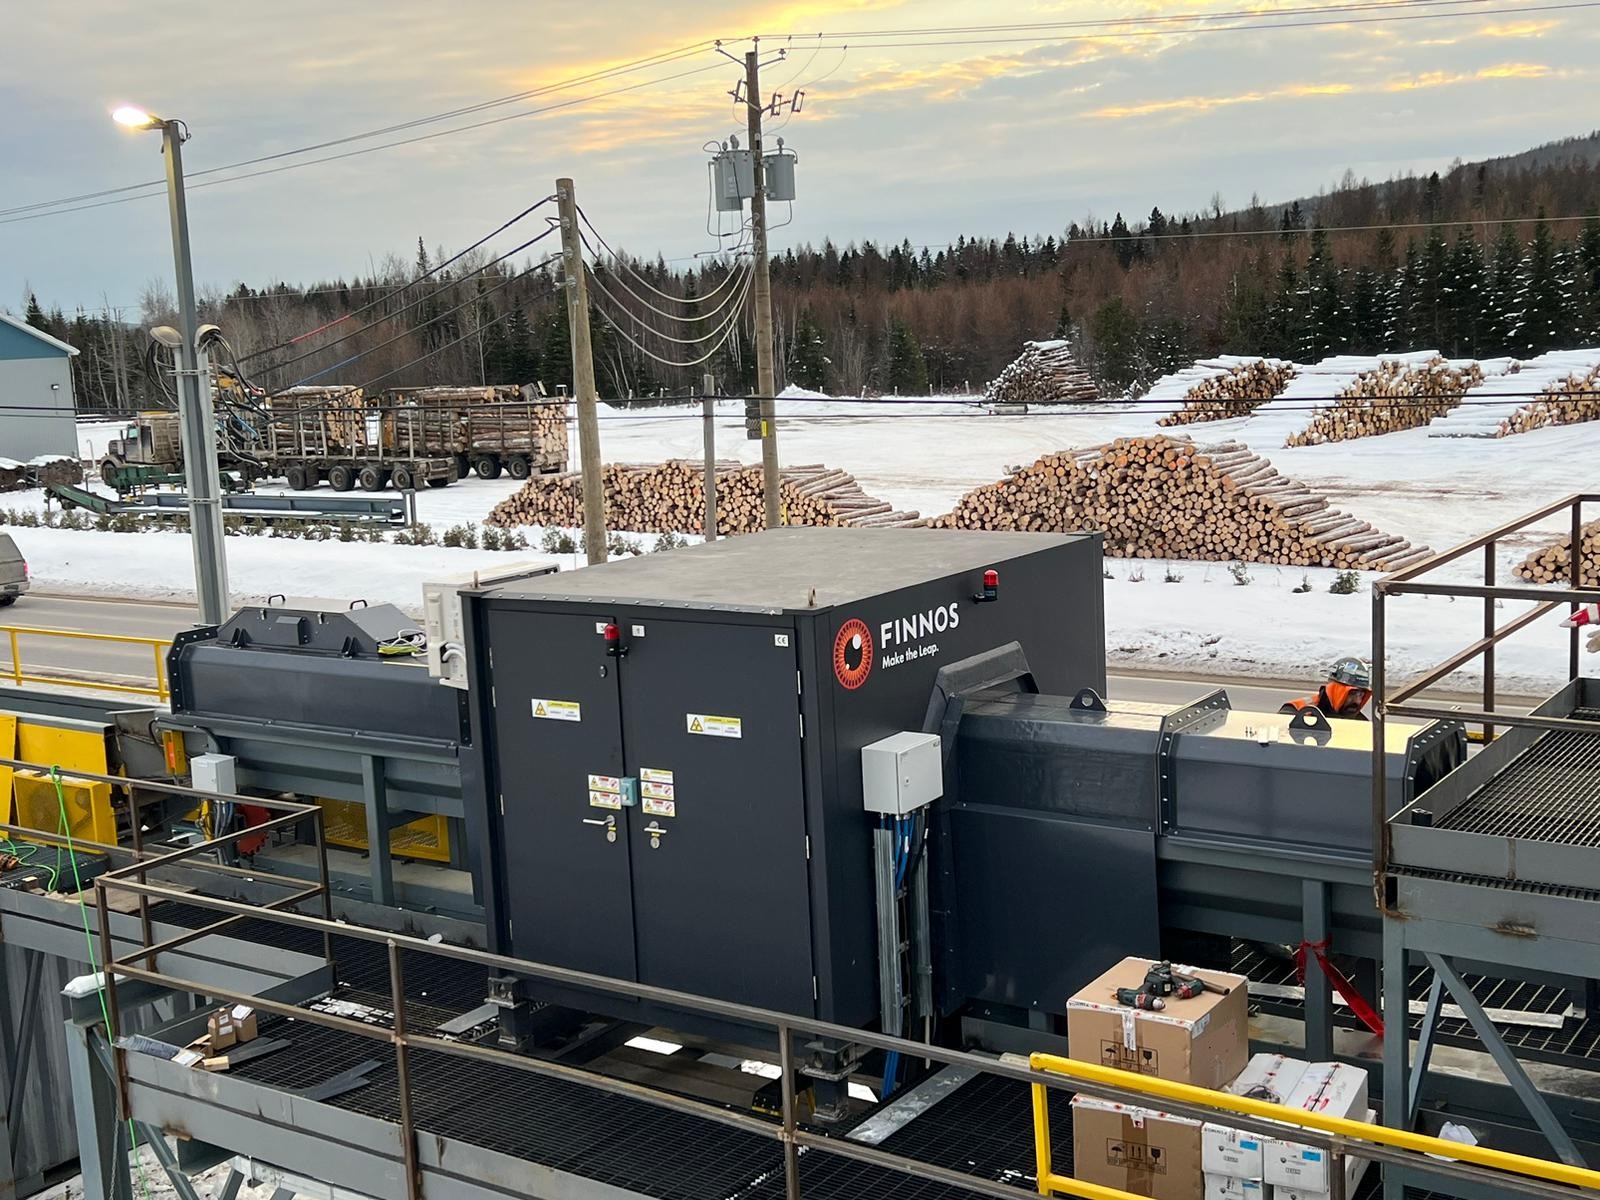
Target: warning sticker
x: 654, y: 775
x: 605, y: 800
x: 655, y: 791
x: 557, y: 710
x: 709, y: 726
x: 604, y: 783
x: 659, y: 808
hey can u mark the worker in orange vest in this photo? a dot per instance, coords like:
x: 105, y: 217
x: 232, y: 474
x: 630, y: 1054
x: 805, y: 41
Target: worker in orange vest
x: 1346, y: 693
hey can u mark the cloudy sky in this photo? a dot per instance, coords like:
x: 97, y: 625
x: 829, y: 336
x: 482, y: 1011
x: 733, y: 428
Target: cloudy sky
x: 904, y: 132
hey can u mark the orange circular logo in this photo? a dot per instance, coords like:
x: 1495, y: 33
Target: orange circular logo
x: 852, y: 654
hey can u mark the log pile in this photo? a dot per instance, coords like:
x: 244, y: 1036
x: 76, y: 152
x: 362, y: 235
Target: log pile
x: 1398, y: 395
x: 1234, y: 394
x: 1044, y: 373
x: 1567, y: 401
x: 310, y: 420
x: 1163, y: 497
x: 1553, y: 563
x: 43, y: 471
x: 500, y: 419
x: 669, y: 497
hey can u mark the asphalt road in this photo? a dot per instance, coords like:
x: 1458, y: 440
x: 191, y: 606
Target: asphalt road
x: 140, y: 618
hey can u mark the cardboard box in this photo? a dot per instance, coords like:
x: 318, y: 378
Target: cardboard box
x: 1355, y: 1169
x: 229, y: 1027
x: 1330, y: 1089
x: 1225, y: 1151
x: 1226, y: 1187
x: 1136, y: 1150
x: 1203, y: 1041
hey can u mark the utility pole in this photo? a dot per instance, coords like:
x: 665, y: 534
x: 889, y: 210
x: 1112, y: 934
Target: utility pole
x: 197, y: 429
x: 577, y: 288
x: 708, y: 417
x: 766, y: 378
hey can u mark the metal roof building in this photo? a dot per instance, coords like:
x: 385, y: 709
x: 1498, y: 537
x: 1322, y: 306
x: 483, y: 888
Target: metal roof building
x: 37, y: 412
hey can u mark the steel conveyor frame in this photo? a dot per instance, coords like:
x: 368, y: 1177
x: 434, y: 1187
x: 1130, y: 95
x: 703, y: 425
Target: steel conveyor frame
x: 1466, y: 894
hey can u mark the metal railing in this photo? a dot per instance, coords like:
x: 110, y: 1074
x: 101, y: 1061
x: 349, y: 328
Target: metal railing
x: 1546, y: 598
x: 1515, y: 1174
x: 20, y: 675
x: 1339, y: 1137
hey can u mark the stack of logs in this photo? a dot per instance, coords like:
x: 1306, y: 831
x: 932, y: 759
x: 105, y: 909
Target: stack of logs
x: 337, y: 409
x: 1396, y: 396
x: 1553, y: 563
x: 1160, y: 497
x: 1234, y: 394
x: 41, y: 472
x: 669, y: 497
x: 1574, y: 399
x: 1045, y: 373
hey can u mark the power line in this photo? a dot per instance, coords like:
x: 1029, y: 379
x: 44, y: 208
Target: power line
x: 736, y: 298
x: 629, y: 267
x: 660, y: 59
x: 727, y: 332
x: 294, y: 166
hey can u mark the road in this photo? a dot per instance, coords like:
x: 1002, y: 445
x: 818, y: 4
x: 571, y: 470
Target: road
x: 139, y: 618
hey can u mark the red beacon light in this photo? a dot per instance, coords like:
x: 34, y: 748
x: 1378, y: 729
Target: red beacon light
x: 991, y: 587
x: 613, y: 636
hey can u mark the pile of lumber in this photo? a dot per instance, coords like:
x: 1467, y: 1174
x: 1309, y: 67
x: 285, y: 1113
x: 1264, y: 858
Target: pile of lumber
x: 1567, y: 401
x: 1553, y: 563
x: 312, y: 420
x: 44, y: 471
x: 1044, y: 373
x: 669, y: 497
x: 1398, y: 395
x: 499, y: 418
x: 1165, y: 497
x: 1236, y: 393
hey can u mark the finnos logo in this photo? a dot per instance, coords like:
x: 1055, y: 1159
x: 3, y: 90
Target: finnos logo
x: 852, y: 654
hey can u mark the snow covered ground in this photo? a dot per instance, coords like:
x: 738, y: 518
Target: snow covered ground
x: 923, y: 454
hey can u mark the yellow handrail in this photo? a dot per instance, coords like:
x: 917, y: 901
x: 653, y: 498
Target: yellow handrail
x: 1340, y: 1127
x: 159, y: 646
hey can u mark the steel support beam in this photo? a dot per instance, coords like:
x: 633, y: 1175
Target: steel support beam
x: 1430, y: 1026
x: 1543, y: 1116
x: 377, y: 802
x: 157, y: 1142
x: 1396, y: 1045
x: 1318, y: 988
x: 102, y: 1150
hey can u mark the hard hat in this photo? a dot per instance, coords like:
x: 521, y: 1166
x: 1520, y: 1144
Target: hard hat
x: 1352, y: 672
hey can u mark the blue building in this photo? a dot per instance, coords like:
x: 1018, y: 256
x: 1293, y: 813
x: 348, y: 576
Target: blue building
x: 38, y: 415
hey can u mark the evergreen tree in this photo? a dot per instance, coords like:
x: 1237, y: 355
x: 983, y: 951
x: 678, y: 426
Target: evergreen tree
x: 1367, y: 311
x: 522, y: 355
x: 1501, y: 316
x: 1245, y: 316
x: 1544, y: 313
x: 1589, y: 278
x: 1114, y: 329
x: 1428, y: 306
x: 1286, y: 314
x: 1409, y: 292
x: 35, y: 315
x: 1326, y: 326
x: 808, y: 359
x: 1468, y: 295
x: 1124, y: 243
x: 907, y: 370
x: 555, y: 349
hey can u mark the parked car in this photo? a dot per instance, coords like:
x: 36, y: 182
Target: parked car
x: 13, y: 571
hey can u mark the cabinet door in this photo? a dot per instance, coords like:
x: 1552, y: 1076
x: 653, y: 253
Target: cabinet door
x: 558, y: 735
x: 721, y: 895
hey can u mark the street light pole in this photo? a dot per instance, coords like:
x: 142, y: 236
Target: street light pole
x: 197, y: 427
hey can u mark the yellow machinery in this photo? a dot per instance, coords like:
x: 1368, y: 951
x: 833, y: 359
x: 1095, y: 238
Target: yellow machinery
x: 344, y: 824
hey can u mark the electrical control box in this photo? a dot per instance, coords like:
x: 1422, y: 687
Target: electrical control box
x: 442, y: 622
x: 738, y: 682
x: 902, y: 773
x: 215, y: 773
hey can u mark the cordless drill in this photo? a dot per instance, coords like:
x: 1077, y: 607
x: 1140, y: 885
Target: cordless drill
x: 1139, y: 998
x: 1162, y: 980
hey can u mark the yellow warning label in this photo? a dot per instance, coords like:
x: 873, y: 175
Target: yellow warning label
x: 557, y: 710
x: 709, y: 726
x: 654, y: 807
x: 604, y: 783
x: 654, y: 775
x: 604, y: 800
x: 655, y: 791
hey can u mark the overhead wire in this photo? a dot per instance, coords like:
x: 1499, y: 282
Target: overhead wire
x: 605, y: 245
x: 475, y: 299
x: 428, y: 274
x: 389, y: 316
x: 660, y: 59
x: 727, y: 332
x: 740, y: 272
x: 645, y: 327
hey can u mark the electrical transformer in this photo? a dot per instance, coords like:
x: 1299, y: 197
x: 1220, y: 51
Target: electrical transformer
x: 733, y: 179
x: 666, y: 761
x: 778, y: 171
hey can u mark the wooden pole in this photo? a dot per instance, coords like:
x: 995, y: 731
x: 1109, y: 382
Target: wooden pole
x: 766, y: 377
x: 577, y: 289
x: 708, y: 409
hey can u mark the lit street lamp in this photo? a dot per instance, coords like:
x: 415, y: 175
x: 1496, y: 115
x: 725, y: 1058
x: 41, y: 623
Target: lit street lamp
x: 196, y: 424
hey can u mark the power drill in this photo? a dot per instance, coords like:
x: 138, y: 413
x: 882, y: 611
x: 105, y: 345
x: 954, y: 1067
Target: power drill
x: 1162, y: 980
x: 1139, y: 998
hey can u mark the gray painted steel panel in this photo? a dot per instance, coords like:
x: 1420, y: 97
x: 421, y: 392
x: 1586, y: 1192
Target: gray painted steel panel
x: 36, y: 409
x: 48, y: 1139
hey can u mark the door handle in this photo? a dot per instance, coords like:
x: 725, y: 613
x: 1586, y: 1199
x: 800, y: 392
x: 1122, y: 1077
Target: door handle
x: 609, y: 824
x: 655, y: 831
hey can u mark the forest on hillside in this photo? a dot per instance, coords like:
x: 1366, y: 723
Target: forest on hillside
x: 1489, y: 259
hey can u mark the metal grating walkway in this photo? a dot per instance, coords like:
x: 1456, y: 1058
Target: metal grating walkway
x: 1548, y: 793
